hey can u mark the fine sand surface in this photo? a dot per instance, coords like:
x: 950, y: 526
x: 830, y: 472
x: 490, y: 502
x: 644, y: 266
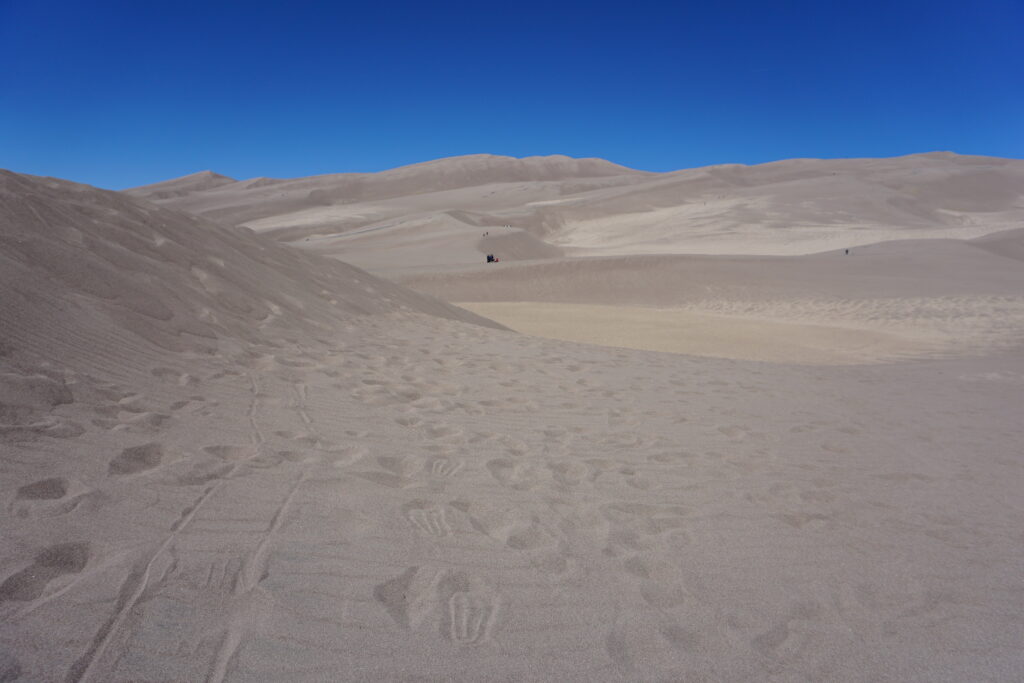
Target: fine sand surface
x: 897, y: 300
x: 702, y: 334
x: 223, y: 458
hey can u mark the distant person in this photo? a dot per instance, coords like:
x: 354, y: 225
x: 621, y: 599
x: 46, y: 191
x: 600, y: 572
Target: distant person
x: 847, y: 252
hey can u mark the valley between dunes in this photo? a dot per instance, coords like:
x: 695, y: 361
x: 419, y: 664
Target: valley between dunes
x: 676, y: 433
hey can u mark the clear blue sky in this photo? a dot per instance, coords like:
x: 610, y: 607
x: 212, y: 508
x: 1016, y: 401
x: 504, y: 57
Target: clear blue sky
x: 118, y: 94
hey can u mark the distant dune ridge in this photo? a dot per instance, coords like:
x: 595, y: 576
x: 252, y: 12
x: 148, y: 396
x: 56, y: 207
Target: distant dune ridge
x: 746, y: 245
x: 589, y: 206
x: 225, y: 458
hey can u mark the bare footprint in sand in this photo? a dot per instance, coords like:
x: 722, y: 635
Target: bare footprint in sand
x: 427, y: 518
x: 44, y: 489
x: 568, y: 473
x: 137, y: 459
x: 443, y: 467
x: 203, y: 472
x: 53, y: 496
x: 470, y: 611
x: 50, y: 563
x: 512, y: 474
x: 409, y: 597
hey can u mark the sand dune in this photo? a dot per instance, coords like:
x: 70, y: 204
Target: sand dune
x: 180, y: 187
x: 263, y: 197
x: 222, y: 458
x: 586, y: 207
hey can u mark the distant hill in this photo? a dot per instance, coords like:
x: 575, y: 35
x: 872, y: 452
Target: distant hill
x: 236, y: 202
x: 179, y: 187
x: 594, y: 207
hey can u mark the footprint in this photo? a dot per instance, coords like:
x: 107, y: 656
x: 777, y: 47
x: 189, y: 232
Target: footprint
x: 44, y: 489
x: 51, y: 562
x: 147, y: 421
x: 137, y: 459
x: 441, y: 430
x: 512, y: 474
x: 229, y: 453
x: 514, y: 446
x: 202, y: 473
x: 397, y: 464
x: 681, y: 637
x: 182, y: 379
x: 134, y: 403
x: 798, y: 520
x: 409, y: 420
x: 772, y: 641
x: 395, y: 595
x: 444, y: 467
x: 527, y: 539
x: 342, y: 456
x: 471, y: 610
x: 660, y: 595
x: 427, y: 518
x: 568, y: 473
x: 648, y: 519
x: 384, y: 479
x: 10, y: 669
x: 618, y: 649
x: 54, y: 427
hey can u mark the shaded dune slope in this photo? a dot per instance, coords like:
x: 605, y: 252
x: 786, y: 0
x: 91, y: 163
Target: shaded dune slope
x: 91, y: 278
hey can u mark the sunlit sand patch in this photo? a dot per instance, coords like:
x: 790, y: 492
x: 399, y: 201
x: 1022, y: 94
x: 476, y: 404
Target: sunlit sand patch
x: 705, y: 334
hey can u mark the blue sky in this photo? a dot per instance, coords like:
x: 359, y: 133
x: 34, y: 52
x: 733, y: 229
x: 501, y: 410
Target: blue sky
x: 118, y: 94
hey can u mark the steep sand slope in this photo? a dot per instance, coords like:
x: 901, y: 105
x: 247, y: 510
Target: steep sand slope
x: 260, y: 469
x: 112, y: 263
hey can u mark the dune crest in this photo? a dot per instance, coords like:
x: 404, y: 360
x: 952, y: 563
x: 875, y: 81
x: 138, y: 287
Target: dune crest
x: 590, y: 207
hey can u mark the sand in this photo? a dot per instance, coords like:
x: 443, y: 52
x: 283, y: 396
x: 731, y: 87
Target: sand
x: 701, y: 334
x: 224, y: 458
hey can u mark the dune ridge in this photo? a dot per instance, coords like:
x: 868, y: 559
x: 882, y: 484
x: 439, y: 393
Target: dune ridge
x: 586, y: 207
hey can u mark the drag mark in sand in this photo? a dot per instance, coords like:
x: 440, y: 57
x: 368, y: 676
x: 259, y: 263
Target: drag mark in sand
x: 138, y: 581
x: 254, y: 566
x: 254, y: 570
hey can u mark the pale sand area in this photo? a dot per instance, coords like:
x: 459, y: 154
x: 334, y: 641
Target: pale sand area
x: 704, y: 334
x: 898, y: 300
x: 224, y: 459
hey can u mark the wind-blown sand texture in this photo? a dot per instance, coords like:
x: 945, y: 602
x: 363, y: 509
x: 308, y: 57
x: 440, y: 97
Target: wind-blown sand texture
x: 223, y: 458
